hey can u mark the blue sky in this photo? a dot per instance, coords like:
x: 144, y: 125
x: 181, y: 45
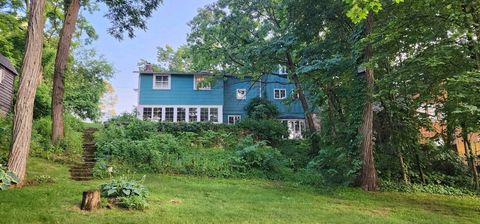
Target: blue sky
x: 168, y: 25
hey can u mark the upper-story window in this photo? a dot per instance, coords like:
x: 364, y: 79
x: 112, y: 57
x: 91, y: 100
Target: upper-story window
x: 241, y: 94
x: 161, y: 81
x: 199, y: 83
x: 282, y: 69
x: 279, y: 94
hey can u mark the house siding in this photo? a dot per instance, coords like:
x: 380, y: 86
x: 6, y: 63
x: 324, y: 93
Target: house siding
x: 6, y: 91
x: 232, y: 105
x: 181, y: 92
x: 287, y: 110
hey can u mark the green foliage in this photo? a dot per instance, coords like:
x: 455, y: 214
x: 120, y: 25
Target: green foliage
x: 261, y: 108
x: 126, y: 193
x: 430, y: 188
x: 133, y: 202
x: 7, y: 178
x: 273, y: 131
x: 124, y: 187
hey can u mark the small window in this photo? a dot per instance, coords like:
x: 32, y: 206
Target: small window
x: 161, y: 82
x: 282, y: 69
x: 181, y: 114
x: 147, y: 113
x: 214, y: 114
x: 2, y: 75
x: 241, y: 94
x: 157, y: 113
x: 279, y: 94
x: 192, y: 114
x: 169, y: 114
x: 203, y: 114
x: 200, y: 83
x: 232, y: 119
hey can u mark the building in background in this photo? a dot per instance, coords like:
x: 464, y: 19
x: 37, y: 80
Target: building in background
x: 201, y: 97
x: 7, y: 80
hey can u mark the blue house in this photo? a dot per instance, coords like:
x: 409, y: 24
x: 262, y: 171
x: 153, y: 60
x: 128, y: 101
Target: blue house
x: 187, y: 97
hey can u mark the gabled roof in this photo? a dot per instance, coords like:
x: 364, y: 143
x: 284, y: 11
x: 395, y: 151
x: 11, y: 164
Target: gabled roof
x: 6, y: 63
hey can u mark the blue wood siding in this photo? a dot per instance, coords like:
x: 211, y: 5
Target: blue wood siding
x: 291, y: 110
x: 233, y: 106
x: 181, y: 92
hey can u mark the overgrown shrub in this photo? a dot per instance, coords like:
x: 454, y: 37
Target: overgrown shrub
x: 261, y: 109
x: 273, y: 131
x: 133, y: 202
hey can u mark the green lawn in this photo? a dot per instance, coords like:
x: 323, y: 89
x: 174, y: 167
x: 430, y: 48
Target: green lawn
x: 183, y: 199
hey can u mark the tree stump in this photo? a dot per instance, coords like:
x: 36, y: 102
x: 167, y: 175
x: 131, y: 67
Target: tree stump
x: 90, y: 200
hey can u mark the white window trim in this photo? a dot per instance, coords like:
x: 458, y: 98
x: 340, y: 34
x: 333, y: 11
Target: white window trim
x: 209, y: 87
x: 187, y: 107
x: 280, y: 98
x: 234, y: 120
x: 169, y: 81
x: 244, y: 96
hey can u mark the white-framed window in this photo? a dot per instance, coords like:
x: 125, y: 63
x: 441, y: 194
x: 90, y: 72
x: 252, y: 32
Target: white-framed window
x: 2, y: 75
x: 204, y: 114
x: 295, y: 128
x: 192, y: 114
x: 181, y: 112
x: 199, y: 83
x: 241, y: 94
x: 169, y: 113
x: 161, y: 82
x: 232, y: 119
x: 279, y: 94
x: 213, y: 114
x: 157, y: 113
x: 282, y: 69
x: 147, y: 113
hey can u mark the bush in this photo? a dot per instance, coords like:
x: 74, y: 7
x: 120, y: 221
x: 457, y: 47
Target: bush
x: 126, y: 193
x: 124, y: 187
x: 258, y: 156
x: 261, y: 109
x: 272, y: 131
x: 133, y: 202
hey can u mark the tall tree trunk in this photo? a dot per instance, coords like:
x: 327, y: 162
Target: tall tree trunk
x: 471, y: 161
x: 61, y: 59
x: 301, y: 95
x: 368, y: 176
x: 29, y: 80
x: 420, y: 169
x: 404, y: 170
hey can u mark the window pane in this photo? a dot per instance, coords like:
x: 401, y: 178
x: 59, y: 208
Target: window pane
x: 283, y: 93
x: 169, y: 114
x: 203, y: 114
x: 200, y: 83
x: 157, y: 113
x: 192, y: 114
x: 276, y: 94
x: 214, y: 114
x: 180, y: 114
x: 241, y: 94
x: 231, y: 120
x: 147, y: 113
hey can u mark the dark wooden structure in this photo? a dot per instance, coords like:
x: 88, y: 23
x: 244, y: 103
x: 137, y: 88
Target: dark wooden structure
x: 7, y: 79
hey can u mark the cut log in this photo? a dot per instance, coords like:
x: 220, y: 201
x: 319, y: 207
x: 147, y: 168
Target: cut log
x: 90, y: 200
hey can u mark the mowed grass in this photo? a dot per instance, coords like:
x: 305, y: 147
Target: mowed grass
x: 184, y: 199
